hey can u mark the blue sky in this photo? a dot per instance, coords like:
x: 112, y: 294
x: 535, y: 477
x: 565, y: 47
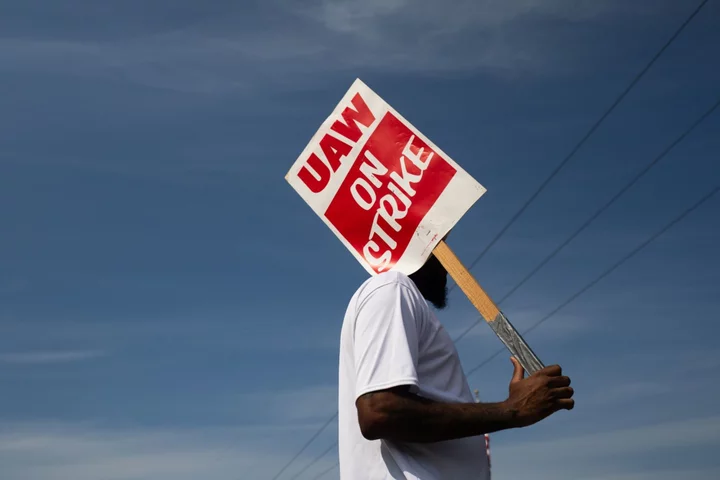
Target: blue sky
x: 169, y: 308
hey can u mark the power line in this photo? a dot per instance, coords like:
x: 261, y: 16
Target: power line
x: 607, y: 205
x: 590, y: 132
x: 307, y: 444
x: 607, y: 272
x: 317, y: 459
x: 325, y: 472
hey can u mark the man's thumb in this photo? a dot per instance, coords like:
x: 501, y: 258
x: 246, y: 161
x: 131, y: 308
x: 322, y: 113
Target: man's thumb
x: 519, y: 372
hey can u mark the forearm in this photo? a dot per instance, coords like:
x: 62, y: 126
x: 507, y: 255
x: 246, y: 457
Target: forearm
x: 409, y: 418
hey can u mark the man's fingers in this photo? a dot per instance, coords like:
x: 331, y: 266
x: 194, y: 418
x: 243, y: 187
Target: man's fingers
x: 565, y: 404
x: 551, y: 371
x: 565, y: 392
x: 518, y: 372
x: 559, y: 382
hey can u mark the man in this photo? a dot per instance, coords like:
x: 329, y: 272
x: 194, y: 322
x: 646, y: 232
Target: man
x: 405, y: 408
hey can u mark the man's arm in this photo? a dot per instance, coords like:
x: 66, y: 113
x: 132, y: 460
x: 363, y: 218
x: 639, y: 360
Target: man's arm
x: 397, y: 414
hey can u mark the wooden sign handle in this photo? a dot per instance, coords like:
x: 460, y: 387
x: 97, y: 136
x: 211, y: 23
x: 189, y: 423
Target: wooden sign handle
x: 487, y: 308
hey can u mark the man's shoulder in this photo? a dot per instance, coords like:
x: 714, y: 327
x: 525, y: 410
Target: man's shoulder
x: 385, y: 287
x: 385, y: 280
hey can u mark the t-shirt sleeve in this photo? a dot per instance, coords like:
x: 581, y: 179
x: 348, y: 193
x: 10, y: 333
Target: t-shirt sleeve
x: 386, y: 340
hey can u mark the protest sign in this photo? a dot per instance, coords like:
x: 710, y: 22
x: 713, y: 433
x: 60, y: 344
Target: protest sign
x: 387, y: 192
x: 390, y: 195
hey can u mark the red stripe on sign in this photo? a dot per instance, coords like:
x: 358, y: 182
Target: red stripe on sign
x: 390, y: 188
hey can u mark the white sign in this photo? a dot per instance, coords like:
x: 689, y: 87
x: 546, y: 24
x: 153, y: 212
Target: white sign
x: 389, y: 194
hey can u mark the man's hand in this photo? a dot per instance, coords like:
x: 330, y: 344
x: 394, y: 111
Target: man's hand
x: 540, y: 395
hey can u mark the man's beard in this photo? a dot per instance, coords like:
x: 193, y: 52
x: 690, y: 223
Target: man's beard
x: 437, y: 296
x: 431, y: 280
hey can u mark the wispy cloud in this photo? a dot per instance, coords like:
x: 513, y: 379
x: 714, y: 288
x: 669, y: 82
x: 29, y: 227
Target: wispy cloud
x: 49, y: 357
x: 85, y: 451
x: 89, y: 452
x: 625, y: 392
x: 604, y: 455
x: 303, y: 404
x: 207, y: 328
x: 215, y: 56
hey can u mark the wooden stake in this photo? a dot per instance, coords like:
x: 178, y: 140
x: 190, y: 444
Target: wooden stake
x: 487, y: 308
x: 466, y: 282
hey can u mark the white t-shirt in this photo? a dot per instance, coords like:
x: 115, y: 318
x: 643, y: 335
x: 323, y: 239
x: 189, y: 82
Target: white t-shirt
x: 390, y: 337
